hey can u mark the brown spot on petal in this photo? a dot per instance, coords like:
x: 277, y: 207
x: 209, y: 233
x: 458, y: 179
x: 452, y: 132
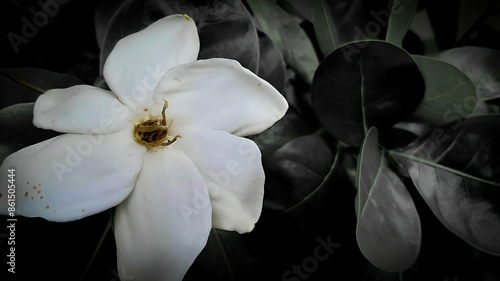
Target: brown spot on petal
x: 83, y: 210
x: 47, y: 207
x: 34, y: 187
x: 39, y: 191
x: 26, y: 194
x: 41, y: 197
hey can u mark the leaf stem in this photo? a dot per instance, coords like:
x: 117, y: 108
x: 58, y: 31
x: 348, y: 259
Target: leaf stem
x: 20, y: 81
x: 98, y: 247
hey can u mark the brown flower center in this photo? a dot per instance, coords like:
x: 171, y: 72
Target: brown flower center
x: 154, y: 133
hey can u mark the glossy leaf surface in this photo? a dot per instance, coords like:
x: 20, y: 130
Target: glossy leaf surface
x: 388, y: 229
x: 365, y: 84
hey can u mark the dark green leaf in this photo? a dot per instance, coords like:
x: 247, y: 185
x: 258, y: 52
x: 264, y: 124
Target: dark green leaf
x: 13, y: 92
x: 103, y: 15
x: 290, y: 38
x: 388, y: 230
x: 401, y: 16
x: 480, y: 65
x: 456, y: 169
x: 324, y: 26
x: 296, y: 169
x: 298, y: 8
x: 286, y: 129
x: 224, y: 26
x: 271, y: 64
x: 449, y: 93
x: 224, y: 258
x: 444, y: 27
x: 365, y: 84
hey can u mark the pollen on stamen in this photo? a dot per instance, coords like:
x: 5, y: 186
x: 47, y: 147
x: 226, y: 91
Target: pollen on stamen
x: 154, y: 132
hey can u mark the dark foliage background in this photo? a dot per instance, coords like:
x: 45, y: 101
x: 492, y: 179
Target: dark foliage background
x: 344, y: 68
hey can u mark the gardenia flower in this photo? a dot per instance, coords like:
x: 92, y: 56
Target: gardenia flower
x: 164, y: 145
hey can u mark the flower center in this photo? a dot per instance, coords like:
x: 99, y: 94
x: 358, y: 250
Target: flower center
x: 154, y: 132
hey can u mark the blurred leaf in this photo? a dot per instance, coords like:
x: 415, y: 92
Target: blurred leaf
x: 104, y: 12
x: 224, y: 26
x: 443, y: 16
x: 456, y: 169
x: 285, y: 31
x: 365, y: 84
x: 298, y: 8
x: 388, y: 230
x: 296, y: 169
x: 449, y: 93
x: 400, y: 19
x: 286, y: 129
x: 271, y: 64
x: 480, y: 65
x: 346, y: 21
x: 324, y: 27
x: 12, y: 92
x: 471, y: 13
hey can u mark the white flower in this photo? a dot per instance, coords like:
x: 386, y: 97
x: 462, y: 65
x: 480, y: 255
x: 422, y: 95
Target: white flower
x: 174, y: 172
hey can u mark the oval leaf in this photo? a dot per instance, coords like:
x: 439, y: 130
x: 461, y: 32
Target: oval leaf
x: 285, y: 31
x: 480, y: 65
x: 456, y: 169
x: 224, y: 26
x: 449, y: 94
x: 365, y: 84
x: 388, y: 229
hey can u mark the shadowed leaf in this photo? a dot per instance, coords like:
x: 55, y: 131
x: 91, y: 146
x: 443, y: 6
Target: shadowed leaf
x: 365, y: 84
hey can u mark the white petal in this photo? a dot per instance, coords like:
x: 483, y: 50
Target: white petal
x: 232, y: 169
x: 140, y: 60
x: 164, y: 224
x: 73, y: 176
x: 220, y: 94
x: 80, y: 109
